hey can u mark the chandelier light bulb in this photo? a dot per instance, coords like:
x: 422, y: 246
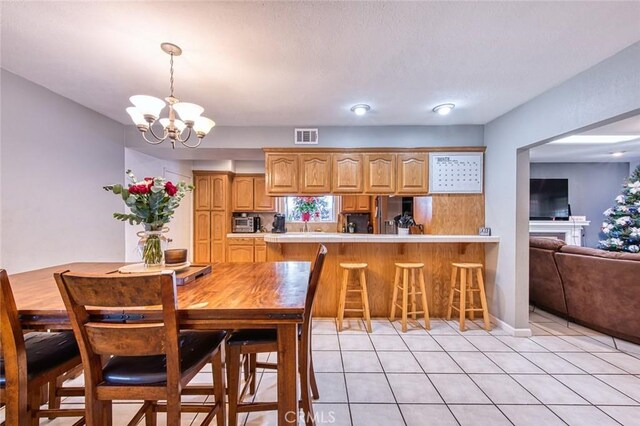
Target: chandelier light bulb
x: 202, y: 126
x: 180, y: 125
x: 444, y: 109
x: 187, y: 111
x: 360, y: 109
x: 137, y: 117
x: 149, y: 106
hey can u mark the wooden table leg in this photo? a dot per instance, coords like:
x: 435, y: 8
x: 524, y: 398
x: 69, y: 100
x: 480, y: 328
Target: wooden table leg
x: 287, y: 374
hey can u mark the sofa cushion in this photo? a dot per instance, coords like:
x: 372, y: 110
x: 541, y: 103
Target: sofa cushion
x: 586, y: 251
x: 546, y: 243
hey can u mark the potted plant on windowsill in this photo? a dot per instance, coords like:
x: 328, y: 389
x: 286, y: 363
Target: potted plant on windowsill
x: 404, y: 222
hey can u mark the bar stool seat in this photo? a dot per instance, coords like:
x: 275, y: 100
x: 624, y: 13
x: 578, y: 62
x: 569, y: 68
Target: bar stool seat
x: 358, y: 268
x: 466, y: 288
x: 412, y: 265
x: 409, y: 286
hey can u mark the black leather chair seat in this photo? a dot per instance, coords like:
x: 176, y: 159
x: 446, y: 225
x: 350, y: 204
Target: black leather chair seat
x: 152, y: 370
x: 44, y: 352
x: 258, y: 335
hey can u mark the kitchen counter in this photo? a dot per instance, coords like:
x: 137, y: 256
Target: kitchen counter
x: 331, y: 237
x: 247, y: 235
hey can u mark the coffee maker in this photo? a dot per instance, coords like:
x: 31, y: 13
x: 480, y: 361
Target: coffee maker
x: 278, y: 224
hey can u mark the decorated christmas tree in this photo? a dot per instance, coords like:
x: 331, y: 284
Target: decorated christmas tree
x: 621, y: 227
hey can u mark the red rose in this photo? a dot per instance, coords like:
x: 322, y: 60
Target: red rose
x: 143, y: 189
x: 171, y: 189
x: 148, y: 178
x: 133, y: 190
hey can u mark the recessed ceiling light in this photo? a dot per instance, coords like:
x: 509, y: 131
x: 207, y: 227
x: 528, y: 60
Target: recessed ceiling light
x: 617, y: 154
x: 444, y: 109
x: 360, y: 109
x: 588, y: 139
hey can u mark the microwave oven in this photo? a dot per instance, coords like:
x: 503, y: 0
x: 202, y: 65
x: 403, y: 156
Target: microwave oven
x: 245, y: 224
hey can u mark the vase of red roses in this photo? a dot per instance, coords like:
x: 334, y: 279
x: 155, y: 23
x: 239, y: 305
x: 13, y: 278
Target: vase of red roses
x: 152, y: 203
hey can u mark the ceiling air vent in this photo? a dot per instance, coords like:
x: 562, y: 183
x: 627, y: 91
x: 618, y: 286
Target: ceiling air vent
x: 306, y: 137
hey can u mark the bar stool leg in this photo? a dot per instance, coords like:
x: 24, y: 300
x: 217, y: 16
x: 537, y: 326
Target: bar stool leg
x: 463, y: 299
x: 425, y: 306
x: 365, y: 300
x: 405, y: 297
x: 454, y: 274
x: 343, y: 297
x: 472, y: 301
x: 483, y: 301
x: 396, y: 283
x: 414, y: 306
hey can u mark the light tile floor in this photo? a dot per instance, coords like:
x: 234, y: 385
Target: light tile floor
x: 563, y: 374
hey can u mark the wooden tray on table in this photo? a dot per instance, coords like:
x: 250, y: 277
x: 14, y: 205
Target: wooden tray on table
x: 191, y: 273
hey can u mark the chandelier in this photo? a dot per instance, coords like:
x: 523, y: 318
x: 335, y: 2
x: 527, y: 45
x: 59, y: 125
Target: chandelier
x: 147, y: 109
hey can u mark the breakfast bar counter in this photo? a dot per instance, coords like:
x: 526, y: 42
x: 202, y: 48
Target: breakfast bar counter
x: 331, y: 237
x: 381, y: 252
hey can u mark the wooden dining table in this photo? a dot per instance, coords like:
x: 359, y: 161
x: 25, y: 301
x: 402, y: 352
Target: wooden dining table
x: 232, y: 296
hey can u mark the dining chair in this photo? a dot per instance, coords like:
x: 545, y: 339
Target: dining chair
x: 249, y: 343
x: 150, y: 358
x: 31, y: 361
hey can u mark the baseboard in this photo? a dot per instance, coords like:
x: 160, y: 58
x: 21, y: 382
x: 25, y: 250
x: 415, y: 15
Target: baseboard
x: 516, y: 332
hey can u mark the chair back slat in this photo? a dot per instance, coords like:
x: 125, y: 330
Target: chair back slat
x: 117, y: 290
x: 126, y: 339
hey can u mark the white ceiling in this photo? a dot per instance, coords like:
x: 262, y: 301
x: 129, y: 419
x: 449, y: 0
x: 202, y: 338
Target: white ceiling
x: 307, y: 63
x: 561, y: 153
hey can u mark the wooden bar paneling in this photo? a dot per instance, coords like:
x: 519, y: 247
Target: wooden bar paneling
x: 380, y: 273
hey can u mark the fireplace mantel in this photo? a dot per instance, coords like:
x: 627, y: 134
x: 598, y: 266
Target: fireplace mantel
x: 568, y: 230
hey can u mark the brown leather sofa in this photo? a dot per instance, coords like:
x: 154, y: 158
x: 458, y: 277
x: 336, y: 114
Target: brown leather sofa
x: 601, y: 289
x: 545, y: 285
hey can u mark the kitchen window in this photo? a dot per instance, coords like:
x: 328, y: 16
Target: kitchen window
x: 317, y: 209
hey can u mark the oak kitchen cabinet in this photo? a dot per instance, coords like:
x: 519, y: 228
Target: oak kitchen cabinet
x: 351, y: 171
x: 315, y: 173
x: 413, y: 173
x: 379, y: 173
x: 355, y: 203
x: 251, y: 249
x: 347, y: 170
x: 212, y: 216
x: 282, y: 173
x: 249, y: 194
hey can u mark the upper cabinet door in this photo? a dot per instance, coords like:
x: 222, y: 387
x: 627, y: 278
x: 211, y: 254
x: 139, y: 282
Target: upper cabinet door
x: 242, y: 194
x: 202, y: 200
x: 261, y: 201
x: 413, y: 173
x: 347, y: 173
x: 282, y: 173
x: 380, y: 173
x: 315, y: 173
x: 219, y: 192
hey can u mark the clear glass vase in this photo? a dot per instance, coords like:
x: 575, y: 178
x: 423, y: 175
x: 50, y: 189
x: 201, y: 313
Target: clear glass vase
x: 152, y: 245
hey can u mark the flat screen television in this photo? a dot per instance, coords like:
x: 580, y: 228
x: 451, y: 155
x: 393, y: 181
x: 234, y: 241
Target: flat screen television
x: 549, y: 199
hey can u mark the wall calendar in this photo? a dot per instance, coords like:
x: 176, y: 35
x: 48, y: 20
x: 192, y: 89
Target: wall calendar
x: 455, y: 172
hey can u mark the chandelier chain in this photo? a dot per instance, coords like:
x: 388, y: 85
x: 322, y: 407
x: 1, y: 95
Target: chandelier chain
x: 171, y: 74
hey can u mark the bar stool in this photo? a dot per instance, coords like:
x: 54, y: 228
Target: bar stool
x: 466, y: 287
x: 404, y: 269
x: 358, y: 268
